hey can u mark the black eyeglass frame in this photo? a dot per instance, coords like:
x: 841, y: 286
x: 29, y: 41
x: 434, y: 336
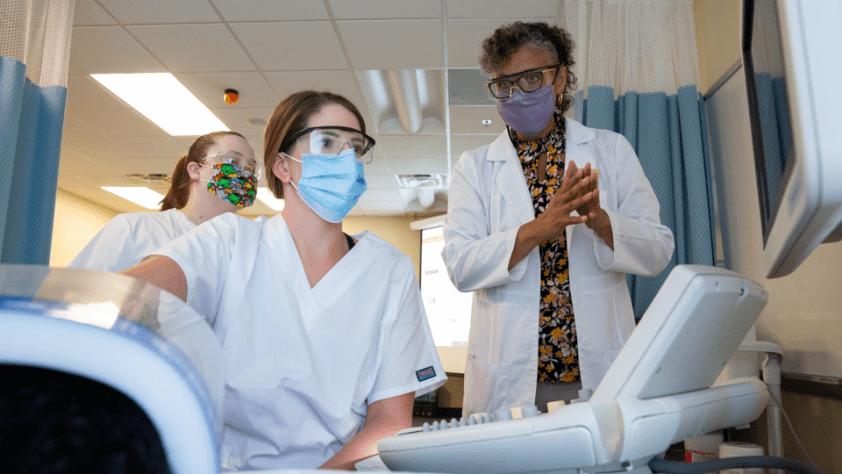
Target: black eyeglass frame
x: 517, y: 75
x: 300, y: 134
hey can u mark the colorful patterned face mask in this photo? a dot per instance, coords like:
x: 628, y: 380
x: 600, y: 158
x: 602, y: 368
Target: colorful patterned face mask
x: 235, y: 184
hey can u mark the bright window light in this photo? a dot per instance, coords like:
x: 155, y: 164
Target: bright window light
x: 138, y: 195
x: 164, y: 101
x: 269, y: 199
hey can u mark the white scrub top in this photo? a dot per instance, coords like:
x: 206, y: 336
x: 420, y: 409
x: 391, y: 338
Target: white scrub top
x: 127, y: 238
x: 302, y: 363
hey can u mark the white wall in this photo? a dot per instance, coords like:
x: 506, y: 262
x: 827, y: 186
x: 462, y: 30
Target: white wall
x: 75, y: 223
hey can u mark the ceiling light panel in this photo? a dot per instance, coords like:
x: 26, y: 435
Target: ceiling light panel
x: 164, y: 101
x: 138, y: 195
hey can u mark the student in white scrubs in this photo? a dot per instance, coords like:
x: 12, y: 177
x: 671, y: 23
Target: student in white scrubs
x: 543, y: 242
x: 325, y: 336
x: 127, y: 238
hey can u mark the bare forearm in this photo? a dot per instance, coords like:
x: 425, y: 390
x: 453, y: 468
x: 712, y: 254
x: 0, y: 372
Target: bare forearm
x: 162, y: 272
x: 529, y: 236
x: 363, y: 445
x: 384, y: 418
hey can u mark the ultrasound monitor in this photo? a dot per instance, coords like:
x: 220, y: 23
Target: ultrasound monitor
x: 790, y: 52
x: 100, y: 332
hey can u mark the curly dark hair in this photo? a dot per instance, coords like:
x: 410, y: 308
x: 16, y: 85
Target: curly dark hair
x: 508, y: 39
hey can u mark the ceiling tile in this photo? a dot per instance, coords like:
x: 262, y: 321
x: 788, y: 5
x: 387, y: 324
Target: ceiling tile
x: 84, y: 93
x: 271, y: 10
x: 134, y: 12
x: 393, y: 44
x: 465, y: 37
x: 89, y: 13
x: 462, y: 143
x: 379, y: 9
x: 468, y: 119
x: 292, y: 46
x: 119, y: 123
x: 200, y: 47
x: 107, y: 178
x: 381, y: 195
x: 338, y: 82
x: 377, y: 166
x: 412, y: 145
x: 419, y: 165
x: 209, y: 87
x: 502, y: 9
x: 115, y: 51
x: 382, y: 208
x: 74, y: 164
x: 148, y: 147
x: 87, y: 141
x: 381, y: 181
x: 163, y: 165
x: 236, y: 118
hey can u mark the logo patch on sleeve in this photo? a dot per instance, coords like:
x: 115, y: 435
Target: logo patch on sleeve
x: 425, y: 374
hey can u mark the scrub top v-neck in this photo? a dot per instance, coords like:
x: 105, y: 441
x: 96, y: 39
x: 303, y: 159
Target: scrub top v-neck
x: 303, y: 364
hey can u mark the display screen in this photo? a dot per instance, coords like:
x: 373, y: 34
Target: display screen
x: 448, y: 309
x: 768, y: 106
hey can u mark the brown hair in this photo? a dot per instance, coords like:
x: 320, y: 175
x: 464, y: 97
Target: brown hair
x: 179, y: 191
x: 508, y: 39
x: 289, y: 118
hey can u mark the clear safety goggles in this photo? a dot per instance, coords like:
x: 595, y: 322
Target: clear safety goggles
x: 528, y: 81
x: 332, y: 140
x: 237, y: 159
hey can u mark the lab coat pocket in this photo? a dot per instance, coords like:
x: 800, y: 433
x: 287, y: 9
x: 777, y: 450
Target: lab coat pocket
x: 485, y: 382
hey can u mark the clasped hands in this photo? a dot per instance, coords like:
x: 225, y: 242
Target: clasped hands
x: 579, y: 192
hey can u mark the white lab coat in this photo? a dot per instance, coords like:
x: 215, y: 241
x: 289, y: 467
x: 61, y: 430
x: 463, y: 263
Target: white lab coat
x: 303, y: 364
x: 488, y: 202
x: 127, y: 238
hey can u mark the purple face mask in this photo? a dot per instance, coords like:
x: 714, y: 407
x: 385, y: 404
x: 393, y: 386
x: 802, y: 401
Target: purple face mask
x: 528, y: 113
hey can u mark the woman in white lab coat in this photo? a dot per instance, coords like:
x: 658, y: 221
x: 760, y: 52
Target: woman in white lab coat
x: 543, y: 244
x: 127, y: 238
x: 324, y: 334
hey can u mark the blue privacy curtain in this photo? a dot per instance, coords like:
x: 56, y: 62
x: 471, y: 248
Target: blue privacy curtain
x: 668, y: 133
x: 31, y: 121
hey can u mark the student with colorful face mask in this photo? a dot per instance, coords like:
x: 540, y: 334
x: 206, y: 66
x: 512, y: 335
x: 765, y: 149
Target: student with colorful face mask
x: 324, y: 334
x: 542, y: 240
x: 218, y: 174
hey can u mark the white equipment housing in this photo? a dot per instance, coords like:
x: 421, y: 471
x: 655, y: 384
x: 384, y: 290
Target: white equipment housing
x: 656, y: 393
x: 129, y: 335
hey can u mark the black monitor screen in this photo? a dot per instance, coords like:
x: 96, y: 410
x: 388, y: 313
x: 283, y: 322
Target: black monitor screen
x: 763, y: 63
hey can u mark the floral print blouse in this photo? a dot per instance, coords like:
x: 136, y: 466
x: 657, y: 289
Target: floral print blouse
x: 558, y: 355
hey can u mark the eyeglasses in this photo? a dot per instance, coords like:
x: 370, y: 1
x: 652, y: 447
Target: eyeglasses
x: 237, y: 159
x: 331, y: 140
x: 527, y: 81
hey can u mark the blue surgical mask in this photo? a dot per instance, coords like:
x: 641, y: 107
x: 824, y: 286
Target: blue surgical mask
x: 528, y: 113
x: 330, y: 185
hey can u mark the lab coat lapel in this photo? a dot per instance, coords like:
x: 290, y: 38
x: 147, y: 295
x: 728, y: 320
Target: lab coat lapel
x: 577, y: 151
x: 510, y: 180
